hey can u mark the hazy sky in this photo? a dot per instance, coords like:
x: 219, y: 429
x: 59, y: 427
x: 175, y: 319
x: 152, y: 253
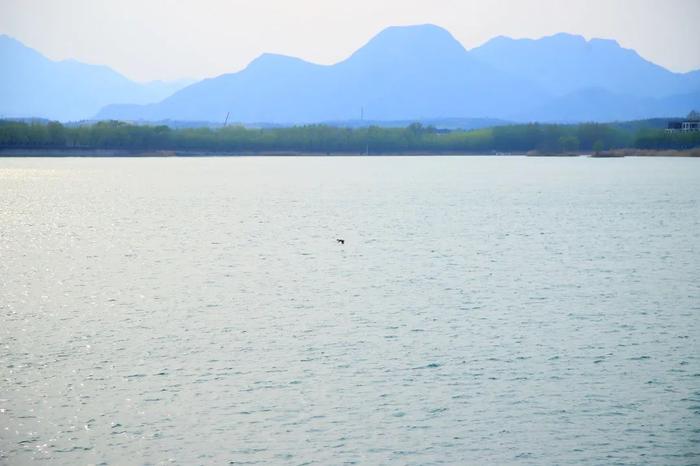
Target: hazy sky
x: 170, y: 39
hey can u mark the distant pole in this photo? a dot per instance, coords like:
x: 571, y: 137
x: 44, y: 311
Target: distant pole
x: 226, y: 120
x: 362, y: 113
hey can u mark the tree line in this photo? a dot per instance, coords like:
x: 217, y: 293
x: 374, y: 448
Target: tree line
x: 544, y: 138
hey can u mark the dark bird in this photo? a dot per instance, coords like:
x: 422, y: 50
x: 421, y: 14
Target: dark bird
x: 341, y: 241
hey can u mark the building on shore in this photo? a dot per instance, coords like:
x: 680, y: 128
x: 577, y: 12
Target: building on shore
x: 690, y: 124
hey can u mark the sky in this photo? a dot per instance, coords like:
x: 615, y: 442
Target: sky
x: 173, y: 39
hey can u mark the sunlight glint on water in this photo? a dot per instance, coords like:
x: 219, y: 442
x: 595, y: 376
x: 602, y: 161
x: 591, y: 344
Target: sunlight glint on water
x: 482, y: 310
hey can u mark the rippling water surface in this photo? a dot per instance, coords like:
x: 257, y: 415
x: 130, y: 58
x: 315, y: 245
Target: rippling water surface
x: 482, y: 311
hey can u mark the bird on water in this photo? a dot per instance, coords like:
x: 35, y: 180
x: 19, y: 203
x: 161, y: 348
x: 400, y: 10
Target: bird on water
x: 340, y: 240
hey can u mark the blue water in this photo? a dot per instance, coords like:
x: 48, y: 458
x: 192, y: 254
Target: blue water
x: 483, y: 310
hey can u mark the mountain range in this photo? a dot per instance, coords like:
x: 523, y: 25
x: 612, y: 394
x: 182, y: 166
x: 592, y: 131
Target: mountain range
x: 31, y: 85
x: 404, y: 73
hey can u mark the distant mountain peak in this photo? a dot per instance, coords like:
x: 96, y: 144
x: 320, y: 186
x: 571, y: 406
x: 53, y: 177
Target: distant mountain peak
x: 416, y: 36
x: 564, y: 63
x: 271, y: 60
x: 415, y: 31
x: 607, y: 43
x: 561, y: 39
x: 421, y: 40
x: 564, y: 37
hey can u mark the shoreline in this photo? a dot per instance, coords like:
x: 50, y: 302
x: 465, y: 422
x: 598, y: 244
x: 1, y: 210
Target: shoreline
x: 116, y: 153
x: 123, y: 153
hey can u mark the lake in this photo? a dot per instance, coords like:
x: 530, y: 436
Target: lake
x: 483, y: 310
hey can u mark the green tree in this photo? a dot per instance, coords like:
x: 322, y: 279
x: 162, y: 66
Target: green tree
x: 569, y: 143
x: 598, y: 146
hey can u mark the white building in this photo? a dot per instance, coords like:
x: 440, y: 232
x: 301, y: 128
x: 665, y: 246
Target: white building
x: 691, y: 123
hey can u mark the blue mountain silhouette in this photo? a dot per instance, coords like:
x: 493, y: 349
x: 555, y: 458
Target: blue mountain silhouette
x: 31, y: 85
x: 403, y: 73
x: 422, y: 72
